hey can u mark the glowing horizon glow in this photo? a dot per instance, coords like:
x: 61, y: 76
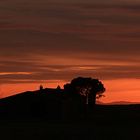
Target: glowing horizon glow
x: 12, y: 89
x: 121, y: 89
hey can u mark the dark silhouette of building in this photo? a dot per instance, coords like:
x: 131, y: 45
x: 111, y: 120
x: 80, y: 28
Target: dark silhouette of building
x: 41, y: 87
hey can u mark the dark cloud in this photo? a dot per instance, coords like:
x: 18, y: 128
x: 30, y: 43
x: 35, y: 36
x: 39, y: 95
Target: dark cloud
x: 60, y: 40
x: 66, y: 73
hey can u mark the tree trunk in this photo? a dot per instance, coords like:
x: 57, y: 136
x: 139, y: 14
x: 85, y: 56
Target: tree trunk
x: 92, y: 101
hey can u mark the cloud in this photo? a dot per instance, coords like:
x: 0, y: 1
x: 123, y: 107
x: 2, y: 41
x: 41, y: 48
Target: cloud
x: 38, y: 73
x: 61, y: 40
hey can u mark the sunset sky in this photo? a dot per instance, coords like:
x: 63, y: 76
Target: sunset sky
x: 50, y: 42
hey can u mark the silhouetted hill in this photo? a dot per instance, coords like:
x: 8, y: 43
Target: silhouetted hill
x: 51, y: 114
x: 117, y: 103
x: 55, y: 104
x: 31, y: 103
x: 122, y: 103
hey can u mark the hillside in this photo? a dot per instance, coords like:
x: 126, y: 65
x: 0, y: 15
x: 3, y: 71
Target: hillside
x: 30, y: 104
x: 53, y: 104
x: 25, y: 116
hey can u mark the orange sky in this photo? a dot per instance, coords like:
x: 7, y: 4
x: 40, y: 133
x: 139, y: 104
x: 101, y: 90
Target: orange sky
x: 56, y: 41
x: 116, y: 90
x: 122, y: 90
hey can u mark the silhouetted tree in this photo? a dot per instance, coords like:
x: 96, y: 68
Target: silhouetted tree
x: 89, y: 88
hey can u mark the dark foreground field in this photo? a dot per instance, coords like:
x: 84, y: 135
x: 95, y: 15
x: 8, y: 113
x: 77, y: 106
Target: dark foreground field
x: 107, y: 123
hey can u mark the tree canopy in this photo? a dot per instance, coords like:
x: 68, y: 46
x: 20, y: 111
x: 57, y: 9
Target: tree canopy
x: 88, y: 87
